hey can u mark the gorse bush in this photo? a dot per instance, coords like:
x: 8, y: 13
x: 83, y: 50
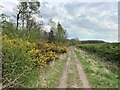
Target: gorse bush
x: 23, y: 50
x: 16, y: 62
x: 21, y: 56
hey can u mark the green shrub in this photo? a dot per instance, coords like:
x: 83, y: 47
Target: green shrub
x: 110, y: 51
x: 16, y: 62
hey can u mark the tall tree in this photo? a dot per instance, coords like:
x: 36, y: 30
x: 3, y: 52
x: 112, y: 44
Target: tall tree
x: 24, y: 7
x: 21, y: 12
x: 25, y: 12
x: 33, y: 10
x: 51, y: 36
x: 53, y: 26
x: 61, y: 33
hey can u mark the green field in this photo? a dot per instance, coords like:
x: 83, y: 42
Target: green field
x: 98, y: 75
x: 108, y: 51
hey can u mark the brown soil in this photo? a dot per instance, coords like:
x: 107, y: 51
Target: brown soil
x: 63, y: 79
x: 82, y: 75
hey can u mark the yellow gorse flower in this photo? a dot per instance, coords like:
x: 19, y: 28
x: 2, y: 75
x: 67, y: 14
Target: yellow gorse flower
x: 40, y: 52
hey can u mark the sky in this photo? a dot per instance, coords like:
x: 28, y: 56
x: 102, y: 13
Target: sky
x: 83, y: 20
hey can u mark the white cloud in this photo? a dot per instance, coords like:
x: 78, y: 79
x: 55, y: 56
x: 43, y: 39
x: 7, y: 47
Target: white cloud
x: 8, y: 6
x: 83, y: 20
x: 88, y: 20
x: 80, y: 0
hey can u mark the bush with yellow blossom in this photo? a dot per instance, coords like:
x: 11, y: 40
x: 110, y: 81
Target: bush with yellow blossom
x: 21, y: 56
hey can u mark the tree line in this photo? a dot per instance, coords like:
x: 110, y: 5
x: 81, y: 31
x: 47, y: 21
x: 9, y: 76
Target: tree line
x: 33, y: 29
x: 29, y: 26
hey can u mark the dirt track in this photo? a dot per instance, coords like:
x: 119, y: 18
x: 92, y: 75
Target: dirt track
x: 63, y: 79
x: 82, y: 75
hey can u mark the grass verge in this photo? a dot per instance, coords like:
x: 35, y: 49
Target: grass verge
x: 50, y: 76
x: 73, y: 78
x: 98, y: 75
